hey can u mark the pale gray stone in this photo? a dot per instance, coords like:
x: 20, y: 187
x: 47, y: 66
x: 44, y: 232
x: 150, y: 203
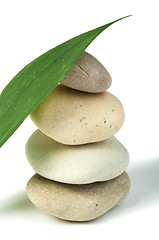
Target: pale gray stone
x: 77, y: 202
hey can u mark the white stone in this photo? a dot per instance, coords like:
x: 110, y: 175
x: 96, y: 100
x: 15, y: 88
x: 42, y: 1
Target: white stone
x: 81, y: 164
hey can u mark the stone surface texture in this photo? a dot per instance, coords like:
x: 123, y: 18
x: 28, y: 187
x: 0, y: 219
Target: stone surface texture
x: 77, y: 202
x: 81, y: 164
x: 74, y: 117
x: 88, y: 75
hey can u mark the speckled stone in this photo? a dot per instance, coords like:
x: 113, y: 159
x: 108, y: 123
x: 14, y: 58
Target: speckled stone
x: 88, y: 75
x: 81, y: 164
x: 74, y: 117
x: 77, y: 202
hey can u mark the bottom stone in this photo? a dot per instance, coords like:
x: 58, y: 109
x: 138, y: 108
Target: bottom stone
x: 77, y: 202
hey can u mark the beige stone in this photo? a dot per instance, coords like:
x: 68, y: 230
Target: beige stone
x: 81, y: 164
x: 74, y: 117
x: 77, y: 202
x: 88, y: 75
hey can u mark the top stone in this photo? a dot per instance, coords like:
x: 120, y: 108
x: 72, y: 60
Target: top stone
x: 88, y: 75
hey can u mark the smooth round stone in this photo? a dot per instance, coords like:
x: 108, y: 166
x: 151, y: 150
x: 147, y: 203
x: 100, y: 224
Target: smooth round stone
x: 81, y: 164
x: 77, y: 202
x: 88, y: 75
x: 74, y: 117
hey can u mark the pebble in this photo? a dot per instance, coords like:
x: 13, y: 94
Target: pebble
x: 77, y: 202
x: 81, y: 164
x: 88, y: 75
x: 74, y: 117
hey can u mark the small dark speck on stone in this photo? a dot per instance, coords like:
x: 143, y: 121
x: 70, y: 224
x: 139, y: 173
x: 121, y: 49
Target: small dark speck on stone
x: 82, y: 118
x: 96, y: 204
x: 96, y: 125
x: 110, y: 126
x: 76, y: 107
x: 105, y: 121
x: 112, y: 110
x: 74, y: 141
x: 80, y: 105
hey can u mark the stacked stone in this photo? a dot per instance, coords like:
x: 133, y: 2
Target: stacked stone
x: 79, y: 163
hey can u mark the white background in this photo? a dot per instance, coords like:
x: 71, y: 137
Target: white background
x: 130, y: 51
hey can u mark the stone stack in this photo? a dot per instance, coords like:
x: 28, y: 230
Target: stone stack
x: 79, y: 163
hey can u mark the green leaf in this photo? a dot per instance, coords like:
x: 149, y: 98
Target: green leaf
x: 35, y: 81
